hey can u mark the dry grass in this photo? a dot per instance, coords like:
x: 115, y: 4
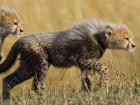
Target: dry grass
x: 55, y: 15
x: 124, y: 95
x: 124, y: 92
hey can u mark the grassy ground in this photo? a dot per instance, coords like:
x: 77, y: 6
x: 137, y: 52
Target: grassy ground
x: 56, y: 15
x: 124, y: 92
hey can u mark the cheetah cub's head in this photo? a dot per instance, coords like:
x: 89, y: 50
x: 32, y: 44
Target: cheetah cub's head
x: 119, y: 37
x: 10, y: 21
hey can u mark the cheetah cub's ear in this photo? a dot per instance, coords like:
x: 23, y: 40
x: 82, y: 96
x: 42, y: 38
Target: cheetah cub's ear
x: 108, y: 31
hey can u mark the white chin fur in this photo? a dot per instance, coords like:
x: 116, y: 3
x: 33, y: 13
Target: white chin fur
x: 18, y: 36
x: 131, y: 50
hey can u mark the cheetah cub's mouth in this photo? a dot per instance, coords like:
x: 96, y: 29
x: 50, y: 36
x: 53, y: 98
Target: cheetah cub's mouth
x: 19, y: 35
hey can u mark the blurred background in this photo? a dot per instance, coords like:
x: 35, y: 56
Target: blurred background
x: 57, y: 15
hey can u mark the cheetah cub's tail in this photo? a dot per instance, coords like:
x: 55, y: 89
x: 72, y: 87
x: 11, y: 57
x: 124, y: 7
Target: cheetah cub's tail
x: 10, y: 59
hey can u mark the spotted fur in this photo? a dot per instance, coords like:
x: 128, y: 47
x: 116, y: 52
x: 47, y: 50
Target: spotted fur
x: 81, y: 45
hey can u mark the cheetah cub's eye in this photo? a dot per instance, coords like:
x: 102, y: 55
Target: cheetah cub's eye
x: 15, y: 23
x: 126, y: 39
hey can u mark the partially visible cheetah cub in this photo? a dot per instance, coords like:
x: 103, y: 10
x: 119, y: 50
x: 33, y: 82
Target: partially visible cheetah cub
x: 10, y: 23
x: 81, y: 45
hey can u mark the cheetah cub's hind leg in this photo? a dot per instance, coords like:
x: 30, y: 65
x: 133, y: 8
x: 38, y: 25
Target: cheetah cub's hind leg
x: 17, y: 77
x: 39, y: 78
x: 87, y: 65
x: 38, y: 61
x: 40, y: 74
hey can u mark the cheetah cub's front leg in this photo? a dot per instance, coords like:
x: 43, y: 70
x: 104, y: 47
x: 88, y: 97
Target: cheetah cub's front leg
x: 87, y: 65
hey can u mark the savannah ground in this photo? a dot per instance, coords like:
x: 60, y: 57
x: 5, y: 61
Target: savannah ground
x: 64, y: 85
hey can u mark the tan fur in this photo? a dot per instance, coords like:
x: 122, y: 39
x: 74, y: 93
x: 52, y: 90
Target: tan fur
x: 10, y: 23
x: 11, y: 18
x: 121, y: 38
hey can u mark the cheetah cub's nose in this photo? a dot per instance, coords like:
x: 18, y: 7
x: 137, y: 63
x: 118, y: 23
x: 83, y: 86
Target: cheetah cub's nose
x: 21, y: 31
x: 133, y: 45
